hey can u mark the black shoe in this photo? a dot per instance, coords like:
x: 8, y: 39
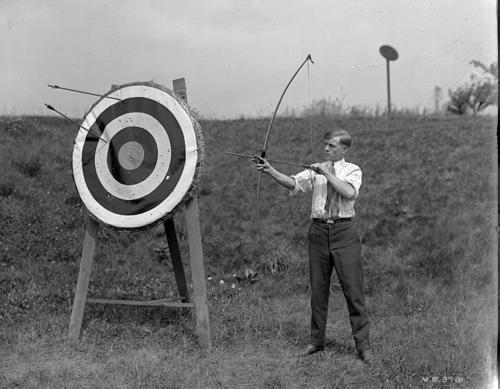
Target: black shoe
x: 310, y: 349
x: 366, y: 356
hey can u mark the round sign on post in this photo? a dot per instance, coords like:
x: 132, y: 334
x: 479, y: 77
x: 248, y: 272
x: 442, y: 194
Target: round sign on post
x: 146, y: 159
x: 390, y: 54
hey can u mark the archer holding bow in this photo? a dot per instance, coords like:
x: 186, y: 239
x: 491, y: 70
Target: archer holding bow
x: 333, y: 241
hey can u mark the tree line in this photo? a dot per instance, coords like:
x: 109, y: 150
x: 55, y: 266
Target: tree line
x: 480, y: 92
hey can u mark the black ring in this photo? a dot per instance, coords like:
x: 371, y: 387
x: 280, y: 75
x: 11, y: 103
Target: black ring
x: 146, y: 140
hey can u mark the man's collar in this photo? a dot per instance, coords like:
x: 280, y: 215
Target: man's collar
x: 338, y: 164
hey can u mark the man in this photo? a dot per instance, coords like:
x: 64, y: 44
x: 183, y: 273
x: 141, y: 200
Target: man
x: 333, y: 241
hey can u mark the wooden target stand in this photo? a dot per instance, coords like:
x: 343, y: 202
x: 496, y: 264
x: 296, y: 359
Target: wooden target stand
x: 198, y: 301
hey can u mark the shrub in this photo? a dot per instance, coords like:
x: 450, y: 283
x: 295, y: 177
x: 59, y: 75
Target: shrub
x: 477, y: 95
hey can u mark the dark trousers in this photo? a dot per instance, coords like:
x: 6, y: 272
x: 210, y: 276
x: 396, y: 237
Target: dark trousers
x: 336, y: 245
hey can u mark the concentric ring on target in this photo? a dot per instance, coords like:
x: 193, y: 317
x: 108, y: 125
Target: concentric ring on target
x: 145, y: 161
x: 124, y: 156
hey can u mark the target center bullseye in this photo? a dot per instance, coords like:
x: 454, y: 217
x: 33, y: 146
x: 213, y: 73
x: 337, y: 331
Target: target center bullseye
x: 131, y: 155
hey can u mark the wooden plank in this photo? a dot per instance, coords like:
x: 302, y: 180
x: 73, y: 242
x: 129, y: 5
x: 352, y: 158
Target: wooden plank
x: 196, y: 253
x: 159, y: 303
x: 82, y: 285
x: 175, y: 253
x: 180, y: 87
x: 198, y: 273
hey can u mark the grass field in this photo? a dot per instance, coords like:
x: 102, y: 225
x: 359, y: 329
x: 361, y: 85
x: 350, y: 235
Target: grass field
x: 426, y: 214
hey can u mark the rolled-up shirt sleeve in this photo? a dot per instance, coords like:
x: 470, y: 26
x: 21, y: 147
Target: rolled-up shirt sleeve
x: 354, y: 178
x: 303, y: 182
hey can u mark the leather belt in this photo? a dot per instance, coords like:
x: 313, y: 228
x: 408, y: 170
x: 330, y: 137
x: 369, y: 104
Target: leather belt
x: 332, y: 221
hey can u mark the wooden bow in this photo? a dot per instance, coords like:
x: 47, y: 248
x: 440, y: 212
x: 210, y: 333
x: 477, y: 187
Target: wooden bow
x: 264, y: 148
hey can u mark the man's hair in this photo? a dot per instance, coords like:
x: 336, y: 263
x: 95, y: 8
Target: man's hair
x: 343, y: 135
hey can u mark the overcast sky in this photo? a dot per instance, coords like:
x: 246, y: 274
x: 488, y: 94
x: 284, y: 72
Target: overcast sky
x: 237, y: 56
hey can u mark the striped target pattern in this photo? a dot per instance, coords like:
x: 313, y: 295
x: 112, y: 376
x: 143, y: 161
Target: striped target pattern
x: 140, y: 157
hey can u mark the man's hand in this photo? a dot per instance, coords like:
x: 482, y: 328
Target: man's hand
x: 280, y: 178
x: 262, y: 164
x: 318, y: 168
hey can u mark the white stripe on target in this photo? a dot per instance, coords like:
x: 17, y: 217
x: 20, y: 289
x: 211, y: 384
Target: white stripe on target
x: 137, y: 191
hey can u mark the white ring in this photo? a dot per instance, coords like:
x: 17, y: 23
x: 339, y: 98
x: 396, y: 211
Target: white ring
x: 145, y: 187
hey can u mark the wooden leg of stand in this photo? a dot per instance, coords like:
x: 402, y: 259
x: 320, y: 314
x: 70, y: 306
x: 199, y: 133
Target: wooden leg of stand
x: 198, y: 273
x: 82, y: 284
x: 175, y: 253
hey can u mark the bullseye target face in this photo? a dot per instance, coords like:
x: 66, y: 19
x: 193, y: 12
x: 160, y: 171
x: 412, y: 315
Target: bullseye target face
x: 139, y: 158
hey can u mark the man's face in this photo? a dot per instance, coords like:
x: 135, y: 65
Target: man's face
x: 334, y: 150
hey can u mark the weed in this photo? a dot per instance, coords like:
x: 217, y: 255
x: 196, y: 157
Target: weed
x: 7, y: 188
x: 30, y: 167
x: 275, y: 260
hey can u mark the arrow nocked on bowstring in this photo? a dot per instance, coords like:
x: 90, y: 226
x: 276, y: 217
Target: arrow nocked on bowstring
x: 270, y: 160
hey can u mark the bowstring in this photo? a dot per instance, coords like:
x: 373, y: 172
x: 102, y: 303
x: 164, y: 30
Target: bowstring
x: 310, y: 109
x: 296, y: 210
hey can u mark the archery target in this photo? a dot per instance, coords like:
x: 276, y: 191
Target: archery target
x: 140, y: 157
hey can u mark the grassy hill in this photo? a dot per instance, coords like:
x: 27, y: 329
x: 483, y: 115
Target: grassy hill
x: 426, y: 214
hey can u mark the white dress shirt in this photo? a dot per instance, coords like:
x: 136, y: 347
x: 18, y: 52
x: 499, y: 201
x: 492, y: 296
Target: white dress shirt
x: 308, y: 180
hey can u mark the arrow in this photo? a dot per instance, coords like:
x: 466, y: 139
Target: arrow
x: 270, y: 160
x: 72, y: 121
x: 85, y: 93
